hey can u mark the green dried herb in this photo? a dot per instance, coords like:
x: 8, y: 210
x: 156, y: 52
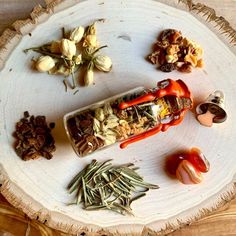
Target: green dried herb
x: 104, y: 186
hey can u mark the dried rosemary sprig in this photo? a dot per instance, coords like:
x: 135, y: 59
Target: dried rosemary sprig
x: 104, y: 186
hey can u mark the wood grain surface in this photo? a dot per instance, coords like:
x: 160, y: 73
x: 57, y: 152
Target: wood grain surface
x: 14, y: 222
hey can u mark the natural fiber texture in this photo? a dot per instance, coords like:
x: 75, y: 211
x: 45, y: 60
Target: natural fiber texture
x: 10, y: 39
x: 210, y: 15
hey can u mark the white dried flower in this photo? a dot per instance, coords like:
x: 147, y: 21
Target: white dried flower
x: 77, y: 34
x: 110, y: 139
x: 99, y: 114
x: 90, y: 41
x: 92, y: 29
x: 55, y: 47
x: 44, y: 63
x: 68, y: 48
x: 89, y: 77
x: 62, y: 70
x: 96, y: 126
x: 107, y: 109
x: 78, y: 59
x: 103, y: 63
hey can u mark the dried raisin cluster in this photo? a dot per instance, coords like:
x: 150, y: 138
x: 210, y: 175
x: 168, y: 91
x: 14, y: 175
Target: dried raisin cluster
x: 33, y: 138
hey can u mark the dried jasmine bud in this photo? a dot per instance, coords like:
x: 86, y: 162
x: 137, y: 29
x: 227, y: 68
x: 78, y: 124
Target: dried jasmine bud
x: 60, y: 70
x: 96, y: 125
x: 110, y: 139
x: 77, y: 34
x: 103, y: 63
x: 91, y: 29
x: 99, y: 114
x: 78, y: 59
x: 107, y: 109
x: 90, y: 41
x: 68, y: 60
x: 89, y: 77
x: 68, y: 48
x: 44, y: 63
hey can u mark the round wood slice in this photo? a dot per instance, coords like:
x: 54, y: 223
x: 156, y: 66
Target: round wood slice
x: 129, y: 29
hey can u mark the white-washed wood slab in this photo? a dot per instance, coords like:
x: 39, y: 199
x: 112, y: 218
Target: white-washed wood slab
x: 39, y: 187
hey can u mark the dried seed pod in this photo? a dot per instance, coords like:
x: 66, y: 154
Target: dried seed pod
x: 103, y: 63
x: 44, y: 63
x: 68, y: 48
x: 77, y: 34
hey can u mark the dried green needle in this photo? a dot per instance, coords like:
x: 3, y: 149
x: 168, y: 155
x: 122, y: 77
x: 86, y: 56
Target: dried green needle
x: 104, y: 186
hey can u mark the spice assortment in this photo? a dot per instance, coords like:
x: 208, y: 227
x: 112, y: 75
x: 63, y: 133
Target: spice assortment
x: 188, y: 166
x: 33, y: 138
x: 90, y: 129
x: 131, y: 117
x: 105, y: 186
x: 126, y: 118
x: 77, y: 48
x: 172, y: 51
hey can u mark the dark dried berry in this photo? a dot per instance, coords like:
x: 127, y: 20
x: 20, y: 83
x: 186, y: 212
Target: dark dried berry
x: 186, y: 68
x: 166, y: 34
x: 26, y: 114
x: 33, y: 138
x: 168, y: 67
x: 52, y: 125
x: 40, y: 121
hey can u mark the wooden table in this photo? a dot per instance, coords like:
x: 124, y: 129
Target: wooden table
x: 14, y: 222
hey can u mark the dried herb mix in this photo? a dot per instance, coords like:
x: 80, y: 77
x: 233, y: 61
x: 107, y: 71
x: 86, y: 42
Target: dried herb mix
x: 33, y: 138
x: 172, y: 51
x: 96, y: 128
x: 105, y: 186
